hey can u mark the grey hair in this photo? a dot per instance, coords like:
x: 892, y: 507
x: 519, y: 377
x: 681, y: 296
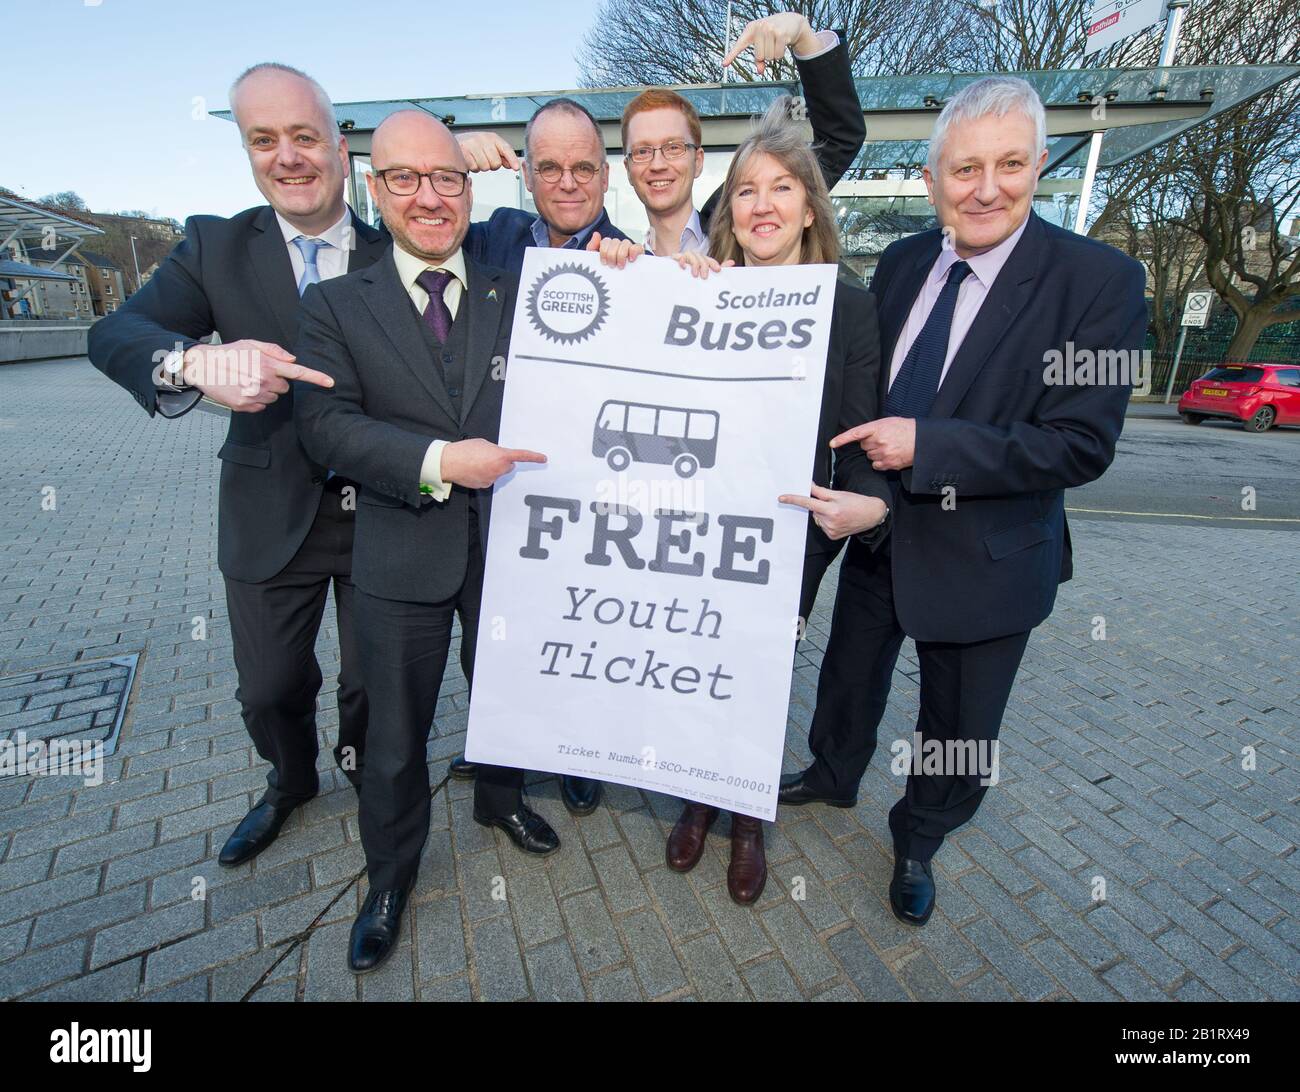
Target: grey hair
x: 996, y: 95
x: 777, y: 135
x: 322, y: 99
x: 568, y: 106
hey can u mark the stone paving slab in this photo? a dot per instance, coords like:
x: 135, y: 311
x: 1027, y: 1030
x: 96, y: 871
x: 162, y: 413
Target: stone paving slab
x: 1141, y: 843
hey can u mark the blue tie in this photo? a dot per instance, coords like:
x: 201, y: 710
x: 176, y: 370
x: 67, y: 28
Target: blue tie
x: 913, y: 390
x: 308, y: 248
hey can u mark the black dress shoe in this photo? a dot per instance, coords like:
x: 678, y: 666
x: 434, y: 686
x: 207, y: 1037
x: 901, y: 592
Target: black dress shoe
x: 581, y: 795
x: 256, y: 830
x: 462, y: 769
x: 911, y: 891
x: 528, y: 830
x: 796, y: 791
x: 375, y: 932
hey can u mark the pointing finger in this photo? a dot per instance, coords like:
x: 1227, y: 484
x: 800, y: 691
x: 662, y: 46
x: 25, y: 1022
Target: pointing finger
x: 746, y: 36
x: 858, y: 432
x: 817, y: 507
x: 305, y: 375
x: 269, y: 348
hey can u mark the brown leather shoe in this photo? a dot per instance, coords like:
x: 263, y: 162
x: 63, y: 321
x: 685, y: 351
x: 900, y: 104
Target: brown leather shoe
x: 747, y: 872
x: 686, y: 842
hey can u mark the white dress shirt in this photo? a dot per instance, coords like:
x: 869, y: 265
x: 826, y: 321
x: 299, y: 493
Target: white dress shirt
x: 984, y: 269
x: 331, y: 260
x: 409, y: 267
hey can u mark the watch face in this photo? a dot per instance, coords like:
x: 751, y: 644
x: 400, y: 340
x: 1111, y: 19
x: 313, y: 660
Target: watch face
x: 174, y: 363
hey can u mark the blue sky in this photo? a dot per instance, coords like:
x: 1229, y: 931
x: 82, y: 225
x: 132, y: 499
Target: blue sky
x: 102, y: 97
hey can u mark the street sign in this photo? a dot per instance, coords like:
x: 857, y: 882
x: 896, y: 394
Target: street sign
x: 1110, y: 21
x: 1196, y: 311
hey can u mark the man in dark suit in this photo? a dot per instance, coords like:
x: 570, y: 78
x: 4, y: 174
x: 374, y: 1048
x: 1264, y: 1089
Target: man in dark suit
x: 414, y: 345
x: 285, y: 523
x: 981, y: 439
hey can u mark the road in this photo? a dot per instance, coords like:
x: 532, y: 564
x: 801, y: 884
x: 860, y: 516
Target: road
x: 1170, y: 470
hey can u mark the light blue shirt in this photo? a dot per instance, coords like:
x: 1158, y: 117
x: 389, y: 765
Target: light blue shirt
x: 692, y: 240
x: 542, y: 234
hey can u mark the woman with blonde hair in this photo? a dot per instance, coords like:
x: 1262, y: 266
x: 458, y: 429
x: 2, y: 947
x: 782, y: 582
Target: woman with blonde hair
x: 775, y: 210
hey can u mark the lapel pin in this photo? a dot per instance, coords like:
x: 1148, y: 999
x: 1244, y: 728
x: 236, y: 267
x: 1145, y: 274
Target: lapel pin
x: 492, y: 294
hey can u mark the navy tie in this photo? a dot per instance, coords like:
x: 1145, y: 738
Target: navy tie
x: 437, y: 315
x: 913, y: 390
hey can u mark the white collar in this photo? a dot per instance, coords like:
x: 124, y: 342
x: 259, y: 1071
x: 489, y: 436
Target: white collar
x: 334, y: 234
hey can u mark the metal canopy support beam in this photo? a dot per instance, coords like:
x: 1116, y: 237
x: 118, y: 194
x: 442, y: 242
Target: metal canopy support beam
x: 1176, y: 9
x: 68, y: 253
x: 1089, y: 176
x: 1068, y: 149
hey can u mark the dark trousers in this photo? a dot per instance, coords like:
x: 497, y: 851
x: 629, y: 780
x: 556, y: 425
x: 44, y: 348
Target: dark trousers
x: 404, y: 654
x: 964, y: 691
x: 273, y: 626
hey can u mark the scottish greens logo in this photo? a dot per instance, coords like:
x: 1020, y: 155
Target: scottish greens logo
x: 568, y: 303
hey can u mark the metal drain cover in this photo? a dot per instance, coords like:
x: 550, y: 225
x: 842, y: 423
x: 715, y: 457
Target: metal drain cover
x: 59, y: 716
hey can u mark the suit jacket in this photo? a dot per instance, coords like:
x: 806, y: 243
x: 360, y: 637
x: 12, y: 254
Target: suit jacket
x: 834, y: 112
x: 503, y: 239
x: 850, y: 396
x: 388, y: 402
x: 232, y: 277
x: 1006, y: 441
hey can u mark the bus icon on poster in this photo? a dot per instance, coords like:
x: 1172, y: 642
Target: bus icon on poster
x: 628, y: 432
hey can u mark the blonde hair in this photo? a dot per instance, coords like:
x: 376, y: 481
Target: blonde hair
x: 776, y: 134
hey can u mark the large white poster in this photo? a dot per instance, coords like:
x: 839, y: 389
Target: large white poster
x: 642, y: 588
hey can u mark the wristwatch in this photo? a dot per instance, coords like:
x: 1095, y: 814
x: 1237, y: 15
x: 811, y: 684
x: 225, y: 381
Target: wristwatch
x: 172, y: 373
x: 869, y: 535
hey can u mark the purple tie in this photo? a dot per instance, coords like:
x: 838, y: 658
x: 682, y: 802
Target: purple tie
x: 436, y: 316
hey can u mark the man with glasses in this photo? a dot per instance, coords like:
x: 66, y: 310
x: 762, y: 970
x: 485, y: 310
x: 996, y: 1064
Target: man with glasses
x: 409, y: 344
x: 565, y: 170
x: 284, y: 529
x: 662, y: 137
x: 567, y: 173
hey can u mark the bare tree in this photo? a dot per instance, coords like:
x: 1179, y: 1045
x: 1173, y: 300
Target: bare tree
x: 1234, y: 179
x: 634, y: 42
x: 65, y: 199
x: 1243, y: 179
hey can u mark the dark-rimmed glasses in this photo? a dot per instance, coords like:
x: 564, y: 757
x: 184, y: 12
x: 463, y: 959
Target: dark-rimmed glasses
x: 403, y: 182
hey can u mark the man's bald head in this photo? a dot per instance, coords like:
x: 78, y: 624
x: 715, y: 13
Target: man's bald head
x: 410, y: 132
x: 431, y: 221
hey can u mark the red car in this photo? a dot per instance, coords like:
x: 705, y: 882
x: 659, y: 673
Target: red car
x: 1258, y: 395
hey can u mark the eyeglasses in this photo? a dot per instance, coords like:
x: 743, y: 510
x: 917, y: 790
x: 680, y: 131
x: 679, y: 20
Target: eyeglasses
x: 553, y: 172
x: 402, y: 182
x: 674, y: 149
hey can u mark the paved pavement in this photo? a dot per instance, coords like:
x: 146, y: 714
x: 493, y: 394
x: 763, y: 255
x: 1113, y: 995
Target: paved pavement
x: 1141, y: 844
